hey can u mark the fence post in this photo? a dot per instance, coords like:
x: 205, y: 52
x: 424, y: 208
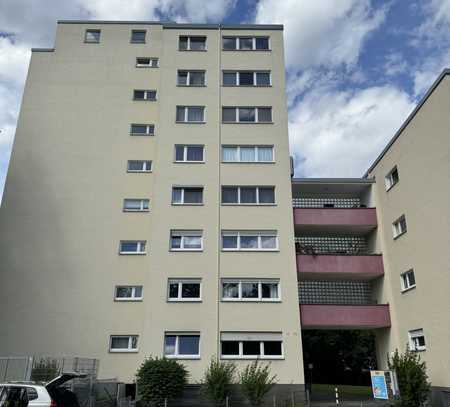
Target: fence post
x: 226, y: 401
x: 29, y: 369
x: 308, y: 398
x: 274, y: 400
x: 165, y: 402
x: 293, y: 399
x: 337, y: 396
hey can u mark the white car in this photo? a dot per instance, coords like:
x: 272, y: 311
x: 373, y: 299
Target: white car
x: 29, y: 394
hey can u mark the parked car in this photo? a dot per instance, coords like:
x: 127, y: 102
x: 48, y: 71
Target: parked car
x: 30, y: 394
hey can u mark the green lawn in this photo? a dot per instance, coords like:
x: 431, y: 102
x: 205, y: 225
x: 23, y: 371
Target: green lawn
x: 343, y: 389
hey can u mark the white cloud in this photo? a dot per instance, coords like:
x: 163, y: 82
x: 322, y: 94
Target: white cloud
x: 316, y: 34
x: 395, y: 64
x: 338, y: 133
x: 427, y: 72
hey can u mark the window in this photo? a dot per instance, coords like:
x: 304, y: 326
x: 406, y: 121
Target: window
x: 128, y: 293
x: 187, y: 195
x: 417, y: 340
x: 186, y: 240
x: 132, y: 247
x: 391, y: 179
x: 248, y: 195
x: 149, y: 95
x: 123, y: 343
x: 142, y: 129
x: 192, y: 43
x: 92, y: 36
x: 264, y: 345
x: 190, y: 114
x: 247, y: 154
x: 146, y: 62
x: 250, y: 290
x: 399, y: 226
x: 245, y: 43
x: 189, y: 153
x: 31, y: 393
x: 249, y: 241
x: 136, y: 205
x: 138, y: 36
x: 184, y: 290
x: 408, y: 280
x: 246, y: 78
x: 182, y: 345
x: 139, y: 166
x: 191, y: 78
x: 246, y: 114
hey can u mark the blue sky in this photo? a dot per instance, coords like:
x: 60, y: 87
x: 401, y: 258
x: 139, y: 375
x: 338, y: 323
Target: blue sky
x: 355, y: 68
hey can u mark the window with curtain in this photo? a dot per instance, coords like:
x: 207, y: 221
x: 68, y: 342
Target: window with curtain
x: 230, y: 154
x: 250, y: 290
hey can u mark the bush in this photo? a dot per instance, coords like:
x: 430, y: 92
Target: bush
x: 412, y: 378
x: 44, y: 370
x: 256, y: 383
x: 217, y: 381
x: 158, y: 379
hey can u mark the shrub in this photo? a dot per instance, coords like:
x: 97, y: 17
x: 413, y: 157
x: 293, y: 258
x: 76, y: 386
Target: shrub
x: 217, y: 381
x: 44, y: 370
x: 256, y: 382
x: 412, y: 378
x: 158, y: 379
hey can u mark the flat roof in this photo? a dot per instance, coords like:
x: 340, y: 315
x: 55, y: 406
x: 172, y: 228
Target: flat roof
x: 181, y: 26
x: 408, y: 119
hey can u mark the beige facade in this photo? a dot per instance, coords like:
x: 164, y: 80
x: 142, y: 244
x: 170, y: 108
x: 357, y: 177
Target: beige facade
x: 62, y: 217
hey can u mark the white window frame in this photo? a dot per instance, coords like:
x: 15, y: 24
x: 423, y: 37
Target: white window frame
x: 259, y: 234
x: 412, y: 335
x: 129, y: 349
x: 177, y: 355
x: 180, y: 283
x: 247, y: 337
x: 186, y: 115
x: 260, y: 282
x: 133, y: 297
x: 143, y: 203
x: 189, y: 43
x: 183, y: 234
x: 389, y: 179
x: 405, y: 280
x: 238, y: 147
x: 238, y: 42
x: 145, y: 165
x: 188, y: 79
x: 149, y: 129
x: 257, y: 203
x: 141, y: 247
x: 185, y: 151
x: 153, y: 62
x: 92, y: 30
x: 183, y: 188
x: 255, y: 85
x: 396, y: 227
x: 146, y: 98
x: 248, y: 107
x: 138, y: 31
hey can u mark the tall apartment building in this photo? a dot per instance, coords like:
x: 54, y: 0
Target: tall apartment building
x: 149, y: 210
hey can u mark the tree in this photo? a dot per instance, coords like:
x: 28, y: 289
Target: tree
x: 256, y: 382
x: 412, y: 378
x: 158, y: 379
x: 217, y: 381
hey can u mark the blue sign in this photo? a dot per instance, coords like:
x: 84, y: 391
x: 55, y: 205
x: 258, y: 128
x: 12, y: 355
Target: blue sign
x: 379, y: 386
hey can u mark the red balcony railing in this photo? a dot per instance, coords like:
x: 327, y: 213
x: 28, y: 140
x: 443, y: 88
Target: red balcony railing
x: 318, y: 316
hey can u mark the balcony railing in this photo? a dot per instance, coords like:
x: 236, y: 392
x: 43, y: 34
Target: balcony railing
x: 341, y: 245
x: 327, y: 203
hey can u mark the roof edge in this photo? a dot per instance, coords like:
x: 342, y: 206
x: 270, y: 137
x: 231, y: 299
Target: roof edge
x: 333, y: 180
x: 411, y: 116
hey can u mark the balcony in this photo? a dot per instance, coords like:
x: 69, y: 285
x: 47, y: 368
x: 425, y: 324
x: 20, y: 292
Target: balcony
x: 339, y: 266
x: 328, y: 316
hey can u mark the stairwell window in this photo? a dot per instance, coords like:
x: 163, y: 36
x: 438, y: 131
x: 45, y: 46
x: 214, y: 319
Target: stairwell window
x: 399, y: 227
x: 189, y: 153
x: 192, y: 43
x: 249, y: 345
x: 234, y: 195
x: 123, y: 343
x: 191, y: 78
x: 187, y: 195
x: 190, y: 114
x: 136, y: 205
x: 92, y: 36
x: 145, y: 95
x: 186, y: 240
x: 138, y: 36
x: 246, y: 78
x: 132, y: 247
x: 142, y: 130
x: 245, y: 43
x: 147, y: 62
x: 247, y: 154
x: 417, y: 340
x: 182, y: 345
x: 128, y: 293
x: 391, y: 178
x: 408, y: 280
x: 139, y: 166
x: 184, y: 290
x: 249, y: 241
x: 246, y: 114
x: 250, y: 290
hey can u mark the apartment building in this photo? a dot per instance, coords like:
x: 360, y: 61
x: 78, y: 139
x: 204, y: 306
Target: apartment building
x: 147, y: 209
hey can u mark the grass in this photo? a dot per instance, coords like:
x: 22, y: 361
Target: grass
x: 343, y: 389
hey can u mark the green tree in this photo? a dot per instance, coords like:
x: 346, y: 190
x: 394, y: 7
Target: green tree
x: 217, y: 381
x: 256, y: 382
x: 412, y: 378
x: 158, y: 379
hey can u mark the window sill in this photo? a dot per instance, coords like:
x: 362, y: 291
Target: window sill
x: 418, y: 350
x: 192, y: 50
x: 250, y: 251
x: 247, y: 122
x: 128, y: 299
x: 404, y: 290
x: 246, y: 86
x: 138, y: 172
x: 144, y: 100
x: 399, y: 235
x: 142, y: 134
x: 191, y: 86
x: 251, y: 357
x: 136, y: 211
x: 137, y: 42
x: 181, y: 122
x: 146, y: 66
x: 184, y: 357
x: 132, y: 254
x: 247, y: 50
x: 249, y: 205
x: 277, y: 301
x: 186, y: 250
x: 92, y: 42
x: 189, y: 162
x: 392, y: 186
x: 195, y: 300
x: 123, y: 351
x: 188, y: 204
x: 248, y: 162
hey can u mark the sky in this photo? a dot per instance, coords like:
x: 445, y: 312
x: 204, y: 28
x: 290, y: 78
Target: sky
x: 355, y: 68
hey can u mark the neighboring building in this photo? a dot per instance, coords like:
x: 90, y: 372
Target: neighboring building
x: 148, y: 211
